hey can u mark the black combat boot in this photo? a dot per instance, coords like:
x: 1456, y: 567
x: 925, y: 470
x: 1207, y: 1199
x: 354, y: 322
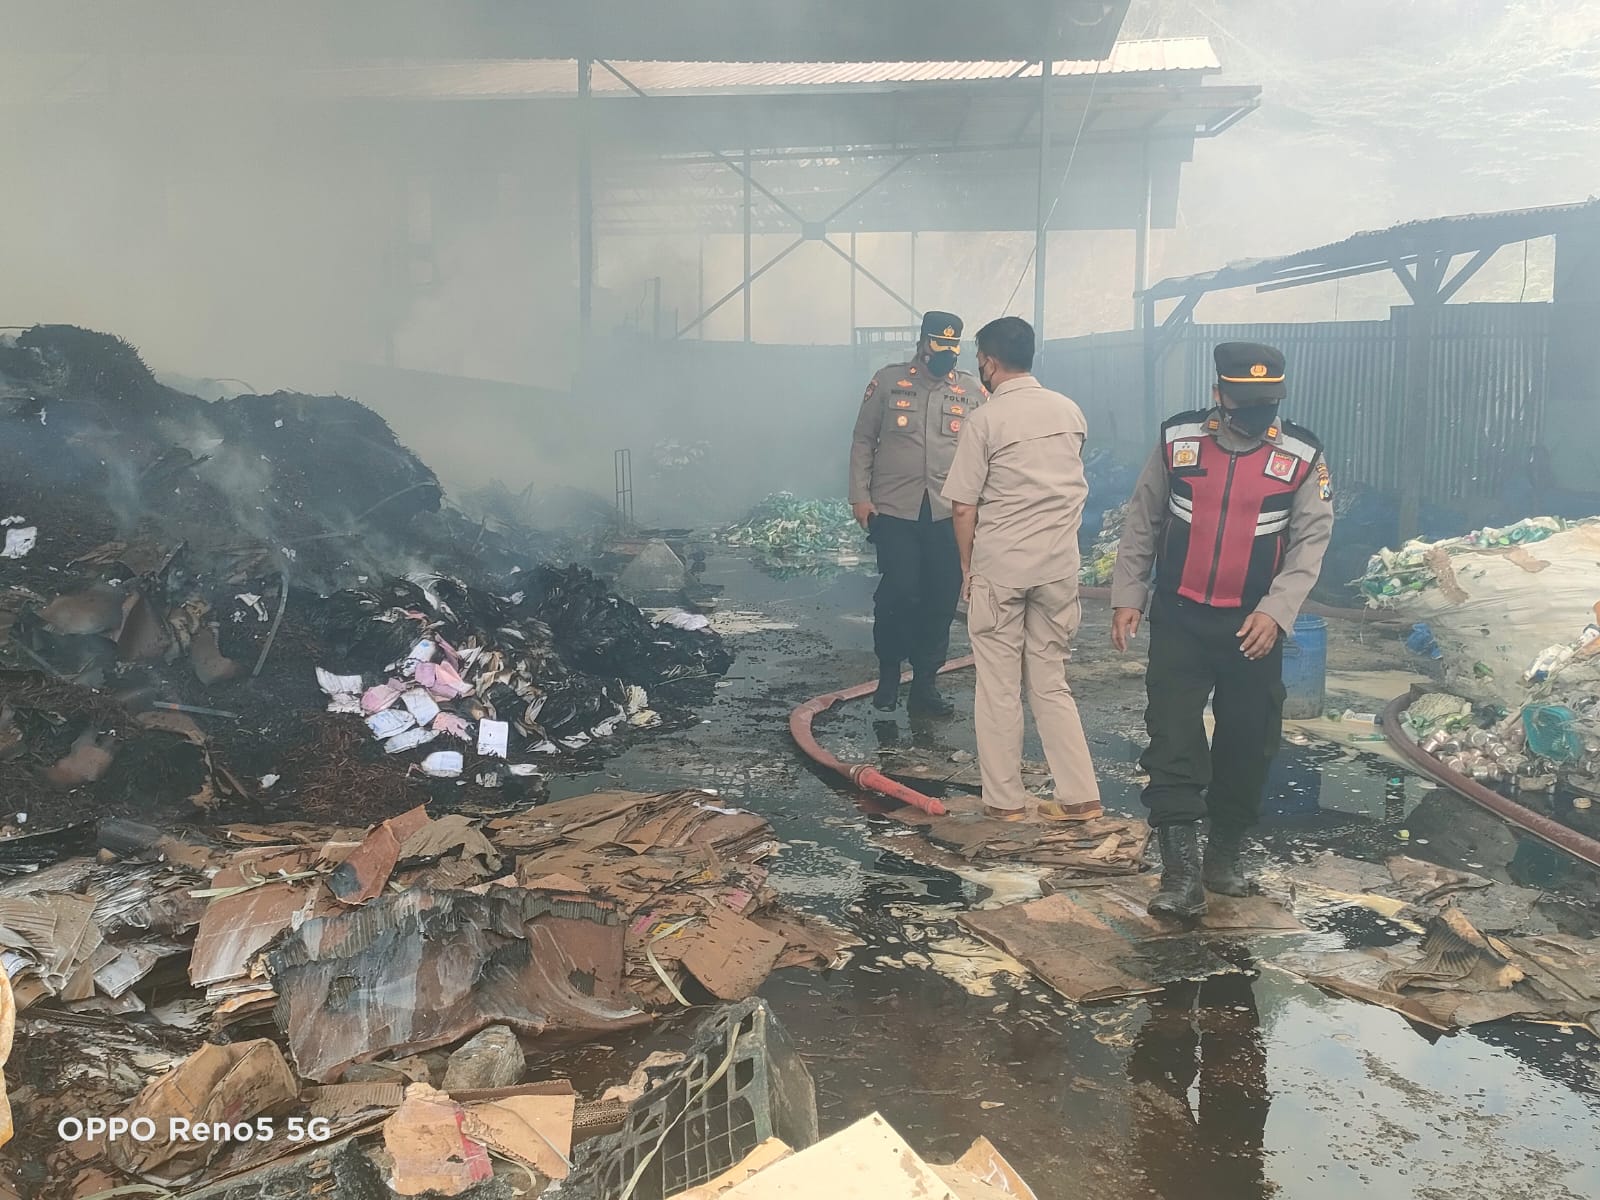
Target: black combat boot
x: 1222, y: 873
x: 1181, y: 894
x: 925, y: 700
x: 887, y: 697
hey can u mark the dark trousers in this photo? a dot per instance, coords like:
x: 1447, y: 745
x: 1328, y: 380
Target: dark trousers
x: 1209, y: 1032
x: 916, y: 599
x: 1194, y: 654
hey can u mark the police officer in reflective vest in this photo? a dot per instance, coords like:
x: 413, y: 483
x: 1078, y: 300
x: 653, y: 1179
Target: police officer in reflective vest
x: 905, y: 439
x: 1232, y: 513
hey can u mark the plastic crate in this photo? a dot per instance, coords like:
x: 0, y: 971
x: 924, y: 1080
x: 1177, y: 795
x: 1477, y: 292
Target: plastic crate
x: 703, y: 1123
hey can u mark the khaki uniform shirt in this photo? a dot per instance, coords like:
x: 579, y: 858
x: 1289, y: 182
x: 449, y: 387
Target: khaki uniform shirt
x: 1310, y: 531
x: 1020, y: 461
x: 905, y: 438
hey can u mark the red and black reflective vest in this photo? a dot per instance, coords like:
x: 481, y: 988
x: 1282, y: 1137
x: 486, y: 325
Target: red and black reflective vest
x: 1227, y: 520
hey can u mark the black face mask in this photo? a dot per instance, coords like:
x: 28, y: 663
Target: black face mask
x: 984, y: 379
x: 1254, y: 420
x: 941, y: 362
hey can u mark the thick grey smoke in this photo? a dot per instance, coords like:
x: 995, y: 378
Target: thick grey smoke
x: 232, y: 222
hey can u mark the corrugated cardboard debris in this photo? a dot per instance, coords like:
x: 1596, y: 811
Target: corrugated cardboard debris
x: 431, y: 1150
x: 236, y: 928
x: 986, y: 1164
x: 1456, y: 976
x: 422, y: 969
x: 8, y: 1030
x: 532, y: 1129
x: 730, y: 956
x: 1099, y: 943
x: 867, y: 1161
x: 365, y: 872
x: 967, y: 1187
x: 217, y: 1083
x: 763, y: 1156
x: 1108, y: 846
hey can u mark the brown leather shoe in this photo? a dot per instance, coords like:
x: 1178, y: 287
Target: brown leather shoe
x: 1054, y: 810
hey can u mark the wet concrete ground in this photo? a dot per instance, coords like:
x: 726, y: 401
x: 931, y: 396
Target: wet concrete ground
x: 1244, y: 1087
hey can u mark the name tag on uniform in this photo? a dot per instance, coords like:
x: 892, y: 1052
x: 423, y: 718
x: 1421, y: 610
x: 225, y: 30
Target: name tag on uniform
x: 1185, y: 454
x: 902, y: 404
x: 1281, y: 465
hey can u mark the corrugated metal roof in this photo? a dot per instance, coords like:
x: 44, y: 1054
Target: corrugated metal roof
x: 529, y: 78
x: 1460, y: 234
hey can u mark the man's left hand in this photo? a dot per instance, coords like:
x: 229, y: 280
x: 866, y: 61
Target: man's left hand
x: 966, y: 587
x: 1258, y: 635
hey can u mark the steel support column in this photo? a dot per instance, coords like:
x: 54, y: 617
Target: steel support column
x: 1141, y: 237
x: 1425, y: 291
x: 852, y: 287
x: 1041, y: 236
x: 747, y: 276
x: 585, y: 200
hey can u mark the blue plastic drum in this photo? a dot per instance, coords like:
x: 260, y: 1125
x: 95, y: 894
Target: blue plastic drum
x: 1305, y: 669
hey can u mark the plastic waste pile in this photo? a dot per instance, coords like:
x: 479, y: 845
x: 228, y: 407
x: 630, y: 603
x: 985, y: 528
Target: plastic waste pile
x: 1101, y: 561
x: 1504, y: 609
x: 786, y: 527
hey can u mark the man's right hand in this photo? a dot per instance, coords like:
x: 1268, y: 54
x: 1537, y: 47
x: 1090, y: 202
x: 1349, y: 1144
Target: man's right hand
x: 1124, y: 626
x: 864, y: 512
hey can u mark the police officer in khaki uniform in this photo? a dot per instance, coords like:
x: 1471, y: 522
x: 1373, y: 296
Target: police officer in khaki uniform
x: 905, y: 438
x: 1233, y: 513
x: 1017, y: 488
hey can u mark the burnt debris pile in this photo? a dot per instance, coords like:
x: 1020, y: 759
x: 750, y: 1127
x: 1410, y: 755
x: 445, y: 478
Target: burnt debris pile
x: 265, y: 605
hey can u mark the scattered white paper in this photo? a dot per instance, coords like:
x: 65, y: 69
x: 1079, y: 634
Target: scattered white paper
x: 391, y: 721
x: 687, y: 621
x: 346, y: 705
x: 9, y: 521
x: 494, y: 738
x: 607, y: 727
x: 545, y: 748
x: 524, y: 769
x: 338, y: 685
x: 444, y: 764
x: 379, y: 697
x: 420, y: 705
x: 456, y: 727
x: 19, y: 541
x: 278, y: 424
x: 268, y: 780
x: 409, y: 740
x: 422, y: 652
x: 251, y: 600
x: 489, y: 779
x: 576, y: 742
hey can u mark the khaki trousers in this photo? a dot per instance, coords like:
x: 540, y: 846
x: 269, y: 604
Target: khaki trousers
x: 1022, y: 638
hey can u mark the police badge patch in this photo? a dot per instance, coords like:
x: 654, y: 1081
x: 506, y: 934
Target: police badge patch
x: 1185, y: 454
x: 1281, y: 466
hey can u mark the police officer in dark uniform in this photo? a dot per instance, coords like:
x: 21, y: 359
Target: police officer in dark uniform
x: 905, y: 439
x: 1233, y: 514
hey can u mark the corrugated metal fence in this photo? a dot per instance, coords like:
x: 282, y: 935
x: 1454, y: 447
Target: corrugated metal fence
x: 1347, y: 379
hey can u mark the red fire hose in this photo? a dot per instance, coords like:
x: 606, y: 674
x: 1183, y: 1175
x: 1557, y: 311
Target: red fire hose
x: 1554, y: 833
x: 863, y: 775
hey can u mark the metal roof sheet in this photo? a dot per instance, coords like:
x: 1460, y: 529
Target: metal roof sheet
x: 1377, y: 248
x: 533, y: 78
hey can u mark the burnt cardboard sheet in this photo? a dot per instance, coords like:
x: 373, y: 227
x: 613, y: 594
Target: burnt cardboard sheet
x: 1456, y: 976
x: 1108, y: 846
x: 1099, y: 943
x: 421, y: 969
x: 366, y: 871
